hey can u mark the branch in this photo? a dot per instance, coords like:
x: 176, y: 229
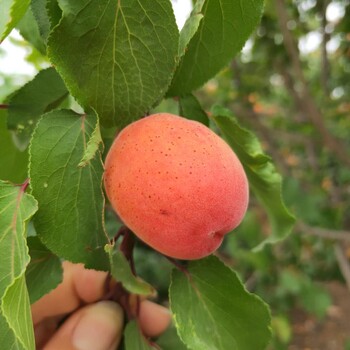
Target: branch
x: 324, y: 233
x: 289, y: 42
x: 325, y: 67
x: 343, y: 263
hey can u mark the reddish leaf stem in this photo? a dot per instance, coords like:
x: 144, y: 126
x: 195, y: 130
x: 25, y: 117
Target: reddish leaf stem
x: 24, y: 185
x: 154, y: 345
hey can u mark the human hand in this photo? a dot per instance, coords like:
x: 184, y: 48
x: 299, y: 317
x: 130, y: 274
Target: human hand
x: 93, y: 324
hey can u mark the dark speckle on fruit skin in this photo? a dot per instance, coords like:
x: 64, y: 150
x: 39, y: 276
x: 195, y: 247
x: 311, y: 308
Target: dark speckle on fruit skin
x: 164, y: 212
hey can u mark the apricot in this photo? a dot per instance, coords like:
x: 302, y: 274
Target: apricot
x: 176, y: 184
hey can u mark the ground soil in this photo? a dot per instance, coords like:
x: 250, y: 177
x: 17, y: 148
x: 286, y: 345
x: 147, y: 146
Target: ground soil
x: 332, y: 333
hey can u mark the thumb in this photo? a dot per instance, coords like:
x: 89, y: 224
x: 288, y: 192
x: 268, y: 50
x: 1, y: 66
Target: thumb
x: 95, y: 327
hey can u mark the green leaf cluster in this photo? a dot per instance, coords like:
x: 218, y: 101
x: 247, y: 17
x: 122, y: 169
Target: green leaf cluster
x: 113, y: 62
x: 16, y: 208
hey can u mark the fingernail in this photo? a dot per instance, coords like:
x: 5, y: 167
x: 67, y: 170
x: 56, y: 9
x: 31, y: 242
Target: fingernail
x: 99, y: 327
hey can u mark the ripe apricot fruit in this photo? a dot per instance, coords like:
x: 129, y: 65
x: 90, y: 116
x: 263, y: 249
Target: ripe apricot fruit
x: 176, y: 184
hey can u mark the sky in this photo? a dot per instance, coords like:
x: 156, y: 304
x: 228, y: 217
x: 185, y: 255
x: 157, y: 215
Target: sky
x: 13, y: 59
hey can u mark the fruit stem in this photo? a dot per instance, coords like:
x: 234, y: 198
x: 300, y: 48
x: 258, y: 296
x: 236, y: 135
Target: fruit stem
x: 115, y: 290
x: 108, y: 292
x: 153, y: 344
x: 178, y: 265
x: 127, y: 247
x: 121, y: 232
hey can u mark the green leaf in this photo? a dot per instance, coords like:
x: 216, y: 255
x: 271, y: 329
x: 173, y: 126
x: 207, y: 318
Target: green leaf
x: 7, y: 337
x: 13, y: 162
x: 92, y: 146
x: 70, y: 216
x: 225, y: 27
x: 44, y: 267
x: 188, y: 31
x: 16, y: 309
x: 47, y: 14
x: 121, y: 271
x: 316, y: 300
x: 17, y: 208
x: 54, y: 12
x: 11, y: 12
x: 29, y: 29
x: 191, y: 109
x: 170, y: 340
x: 212, y: 309
x: 134, y: 339
x: 27, y: 104
x: 263, y: 178
x: 115, y: 56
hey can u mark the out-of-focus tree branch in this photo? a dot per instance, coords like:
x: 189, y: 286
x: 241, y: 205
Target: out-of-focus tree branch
x: 340, y: 235
x: 308, y: 103
x: 343, y: 263
x: 325, y: 66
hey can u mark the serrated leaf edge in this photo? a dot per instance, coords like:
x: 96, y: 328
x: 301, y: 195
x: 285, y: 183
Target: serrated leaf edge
x: 10, y: 23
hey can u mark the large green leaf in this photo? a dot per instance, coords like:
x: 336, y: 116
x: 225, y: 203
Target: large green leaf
x: 170, y: 340
x: 13, y: 162
x: 27, y: 104
x: 134, y: 339
x: 29, y: 29
x: 263, y: 178
x: 191, y: 109
x: 188, y: 31
x: 116, y: 56
x: 121, y: 271
x: 70, y: 216
x: 225, y: 27
x: 212, y: 309
x: 44, y: 267
x: 47, y: 14
x: 16, y: 309
x: 16, y: 208
x: 7, y: 336
x: 11, y: 11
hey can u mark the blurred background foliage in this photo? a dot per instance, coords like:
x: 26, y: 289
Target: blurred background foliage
x: 291, y: 87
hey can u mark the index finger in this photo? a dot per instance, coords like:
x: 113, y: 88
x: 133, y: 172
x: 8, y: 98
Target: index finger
x: 79, y: 286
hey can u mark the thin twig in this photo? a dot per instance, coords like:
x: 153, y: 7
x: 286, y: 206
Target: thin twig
x: 338, y: 235
x: 343, y: 263
x: 325, y: 66
x: 178, y: 265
